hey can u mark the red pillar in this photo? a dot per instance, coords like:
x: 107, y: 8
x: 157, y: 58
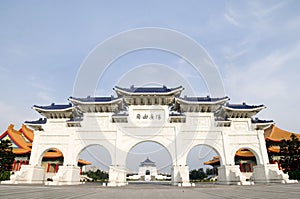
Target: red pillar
x: 48, y: 167
x: 14, y: 165
x: 241, y: 167
x: 20, y: 164
x: 56, y: 167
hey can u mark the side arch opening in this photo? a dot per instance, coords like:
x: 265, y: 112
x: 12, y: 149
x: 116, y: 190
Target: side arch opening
x: 203, y: 161
x: 94, y: 161
x: 246, y: 159
x: 51, y: 159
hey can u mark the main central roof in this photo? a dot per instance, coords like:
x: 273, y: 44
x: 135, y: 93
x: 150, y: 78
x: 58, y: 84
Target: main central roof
x: 148, y: 90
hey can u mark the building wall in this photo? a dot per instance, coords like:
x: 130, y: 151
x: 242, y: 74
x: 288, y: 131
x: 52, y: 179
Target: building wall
x: 120, y: 138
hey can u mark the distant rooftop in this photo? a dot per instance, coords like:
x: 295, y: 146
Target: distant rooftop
x: 39, y: 121
x: 147, y: 162
x: 54, y: 106
x: 162, y: 89
x: 93, y: 99
x: 259, y: 121
x: 203, y: 99
x: 243, y: 106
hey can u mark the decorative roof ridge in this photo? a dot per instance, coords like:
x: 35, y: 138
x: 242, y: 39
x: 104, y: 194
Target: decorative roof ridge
x: 3, y: 134
x: 243, y: 106
x: 257, y: 120
x: 207, y: 99
x: 149, y: 89
x: 39, y: 121
x: 93, y: 99
x: 28, y: 133
x: 54, y: 106
x: 17, y: 137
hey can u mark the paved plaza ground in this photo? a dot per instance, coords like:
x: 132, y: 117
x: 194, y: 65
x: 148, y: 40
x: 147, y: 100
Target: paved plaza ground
x: 153, y: 191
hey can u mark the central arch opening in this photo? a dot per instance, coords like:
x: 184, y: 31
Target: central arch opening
x: 148, y: 161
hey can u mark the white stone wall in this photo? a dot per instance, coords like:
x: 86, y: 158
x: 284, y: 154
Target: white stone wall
x: 120, y: 138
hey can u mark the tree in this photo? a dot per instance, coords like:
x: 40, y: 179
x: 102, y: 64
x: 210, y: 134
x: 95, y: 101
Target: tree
x: 197, y: 174
x: 97, y: 175
x: 290, y: 154
x: 6, y: 159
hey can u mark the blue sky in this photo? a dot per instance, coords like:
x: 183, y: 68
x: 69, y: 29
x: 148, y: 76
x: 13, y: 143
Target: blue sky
x: 255, y: 45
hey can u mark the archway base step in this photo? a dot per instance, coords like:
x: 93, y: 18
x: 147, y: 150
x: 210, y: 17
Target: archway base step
x: 270, y: 174
x: 66, y: 175
x: 28, y: 174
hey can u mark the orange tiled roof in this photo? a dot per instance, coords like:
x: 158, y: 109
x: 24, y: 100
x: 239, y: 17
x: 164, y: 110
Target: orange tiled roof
x: 244, y: 153
x: 274, y: 149
x: 276, y: 134
x: 28, y: 133
x: 216, y: 159
x: 25, y: 147
x: 17, y: 138
x: 53, y: 154
x: 21, y: 151
x: 84, y: 162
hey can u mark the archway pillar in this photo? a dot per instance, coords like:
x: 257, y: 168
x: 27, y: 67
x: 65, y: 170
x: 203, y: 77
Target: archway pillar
x: 180, y: 175
x: 28, y: 174
x: 66, y: 175
x: 117, y: 176
x: 270, y: 173
x: 231, y: 174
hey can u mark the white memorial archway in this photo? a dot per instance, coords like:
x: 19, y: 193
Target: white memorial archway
x: 156, y: 114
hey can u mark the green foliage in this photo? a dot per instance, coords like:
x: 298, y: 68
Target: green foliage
x: 6, y: 159
x: 4, y: 175
x: 209, y: 172
x: 6, y: 155
x: 197, y: 174
x: 97, y: 175
x: 290, y: 152
x: 294, y: 175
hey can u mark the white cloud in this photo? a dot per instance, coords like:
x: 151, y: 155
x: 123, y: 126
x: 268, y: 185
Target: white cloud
x: 231, y: 19
x: 260, y: 9
x: 271, y: 80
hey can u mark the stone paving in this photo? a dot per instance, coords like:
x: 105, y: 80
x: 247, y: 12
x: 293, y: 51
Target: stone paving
x: 95, y: 190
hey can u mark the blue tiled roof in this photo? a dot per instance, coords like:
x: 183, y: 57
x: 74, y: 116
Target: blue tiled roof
x: 203, y: 99
x: 147, y: 162
x: 257, y: 120
x: 39, y: 121
x: 162, y: 89
x: 94, y: 99
x: 243, y: 106
x: 54, y: 106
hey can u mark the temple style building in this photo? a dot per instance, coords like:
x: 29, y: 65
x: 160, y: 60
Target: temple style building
x: 148, y: 172
x: 156, y: 114
x: 246, y: 159
x: 22, y: 140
